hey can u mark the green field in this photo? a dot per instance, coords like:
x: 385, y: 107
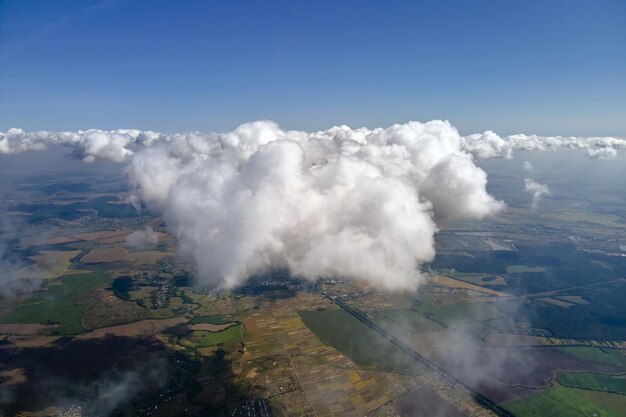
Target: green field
x: 560, y: 401
x: 363, y: 345
x: 518, y: 269
x: 449, y: 314
x: 607, y: 356
x: 592, y: 381
x: 577, y: 216
x: 230, y: 335
x: 404, y: 319
x: 211, y: 319
x: 476, y: 278
x: 57, y: 304
x: 453, y: 273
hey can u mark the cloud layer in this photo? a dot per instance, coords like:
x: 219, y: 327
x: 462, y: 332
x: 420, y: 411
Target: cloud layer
x: 89, y: 145
x: 357, y: 203
x: 490, y: 145
x: 119, y: 145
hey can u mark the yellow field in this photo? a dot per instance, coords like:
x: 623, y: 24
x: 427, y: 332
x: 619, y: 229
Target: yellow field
x: 102, y: 235
x: 106, y: 255
x: 53, y: 263
x: 26, y: 329
x: 148, y: 257
x: 455, y: 283
x: 210, y: 327
x: 140, y: 328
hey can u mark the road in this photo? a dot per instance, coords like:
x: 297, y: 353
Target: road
x: 480, y: 399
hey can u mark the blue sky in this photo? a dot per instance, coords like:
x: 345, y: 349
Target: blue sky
x: 545, y: 67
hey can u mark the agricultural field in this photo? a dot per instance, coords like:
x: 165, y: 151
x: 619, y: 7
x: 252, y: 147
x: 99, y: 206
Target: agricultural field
x: 305, y: 362
x: 451, y: 314
x: 570, y: 402
x: 55, y: 263
x: 148, y: 257
x: 105, y: 255
x: 612, y: 357
x: 58, y: 303
x: 593, y: 382
x: 404, y: 320
x: 425, y: 401
x: 517, y: 269
x: 203, y: 339
x: 576, y: 216
x: 481, y: 279
x: 340, y: 330
x: 537, y: 327
x: 212, y: 319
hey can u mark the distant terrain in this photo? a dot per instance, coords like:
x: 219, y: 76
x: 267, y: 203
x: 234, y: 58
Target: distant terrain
x: 521, y: 315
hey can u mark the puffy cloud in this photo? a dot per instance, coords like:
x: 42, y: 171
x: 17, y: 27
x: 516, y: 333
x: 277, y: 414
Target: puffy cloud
x: 457, y: 189
x: 16, y: 141
x: 537, y: 190
x: 528, y: 167
x: 341, y: 202
x: 488, y: 145
x: 142, y: 239
x: 601, y: 153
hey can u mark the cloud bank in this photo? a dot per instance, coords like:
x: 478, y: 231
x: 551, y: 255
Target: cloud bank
x: 89, y: 146
x: 120, y: 145
x: 490, y: 145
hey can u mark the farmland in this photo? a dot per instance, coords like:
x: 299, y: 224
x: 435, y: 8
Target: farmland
x: 106, y: 255
x: 605, y: 356
x: 211, y: 319
x: 570, y: 402
x: 458, y: 313
x: 516, y: 269
x: 56, y: 263
x: 340, y: 330
x: 279, y: 333
x: 230, y: 335
x: 57, y: 304
x: 593, y: 382
x: 530, y: 318
x: 405, y: 319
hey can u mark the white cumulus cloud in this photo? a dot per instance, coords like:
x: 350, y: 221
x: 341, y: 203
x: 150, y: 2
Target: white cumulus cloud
x: 142, y: 239
x: 528, y: 167
x: 601, y: 153
x: 89, y: 145
x: 341, y: 202
x: 537, y: 190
